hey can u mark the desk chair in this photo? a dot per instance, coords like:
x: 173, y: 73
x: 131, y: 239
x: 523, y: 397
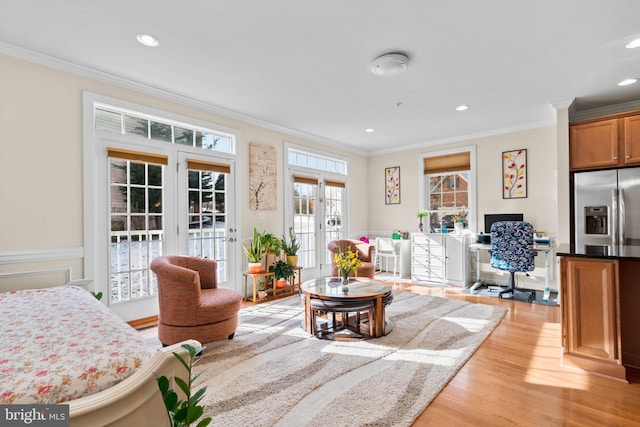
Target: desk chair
x: 512, y: 251
x: 386, y: 249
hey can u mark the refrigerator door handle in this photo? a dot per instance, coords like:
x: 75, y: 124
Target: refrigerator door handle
x: 621, y: 220
x: 614, y: 221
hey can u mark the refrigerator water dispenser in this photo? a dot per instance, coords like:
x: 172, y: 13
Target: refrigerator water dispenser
x: 596, y: 219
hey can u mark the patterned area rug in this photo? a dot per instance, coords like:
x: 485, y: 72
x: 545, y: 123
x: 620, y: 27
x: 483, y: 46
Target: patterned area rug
x: 275, y: 374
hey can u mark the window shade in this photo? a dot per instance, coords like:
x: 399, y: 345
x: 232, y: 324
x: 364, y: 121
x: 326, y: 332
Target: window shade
x: 448, y: 163
x: 139, y: 156
x: 333, y: 183
x: 208, y: 166
x: 305, y: 179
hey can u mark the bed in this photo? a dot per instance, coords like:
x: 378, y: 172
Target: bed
x: 61, y: 345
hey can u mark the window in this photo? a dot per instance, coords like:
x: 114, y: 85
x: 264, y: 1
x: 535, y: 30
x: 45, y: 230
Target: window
x: 449, y: 188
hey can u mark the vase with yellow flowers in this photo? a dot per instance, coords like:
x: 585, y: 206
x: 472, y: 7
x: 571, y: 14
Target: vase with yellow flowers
x: 346, y: 262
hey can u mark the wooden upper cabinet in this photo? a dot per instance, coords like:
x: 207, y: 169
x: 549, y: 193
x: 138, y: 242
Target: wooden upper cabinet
x: 632, y: 140
x: 611, y: 142
x: 594, y: 145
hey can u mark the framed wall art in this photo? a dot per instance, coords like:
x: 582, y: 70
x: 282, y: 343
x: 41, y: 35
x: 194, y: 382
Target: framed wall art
x: 392, y: 185
x: 262, y: 177
x: 514, y: 174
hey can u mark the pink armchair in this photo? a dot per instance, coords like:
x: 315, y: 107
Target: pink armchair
x: 191, y: 304
x: 365, y: 253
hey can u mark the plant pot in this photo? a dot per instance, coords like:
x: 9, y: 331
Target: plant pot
x: 262, y: 294
x: 281, y: 283
x: 458, y: 227
x: 254, y: 267
x: 292, y: 259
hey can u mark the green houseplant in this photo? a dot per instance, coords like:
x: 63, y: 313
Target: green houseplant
x: 291, y: 247
x: 421, y: 214
x: 184, y: 413
x: 254, y: 252
x: 282, y: 272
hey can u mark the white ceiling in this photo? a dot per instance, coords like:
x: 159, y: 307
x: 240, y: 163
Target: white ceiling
x: 304, y: 66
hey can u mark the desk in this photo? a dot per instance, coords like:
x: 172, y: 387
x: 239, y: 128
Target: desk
x: 546, y: 249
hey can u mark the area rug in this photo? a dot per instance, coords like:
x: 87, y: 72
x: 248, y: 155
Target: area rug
x: 275, y: 374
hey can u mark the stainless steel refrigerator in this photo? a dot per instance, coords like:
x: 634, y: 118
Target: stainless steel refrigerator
x: 607, y: 212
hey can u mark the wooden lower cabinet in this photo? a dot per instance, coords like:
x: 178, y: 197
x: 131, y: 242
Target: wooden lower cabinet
x: 591, y: 315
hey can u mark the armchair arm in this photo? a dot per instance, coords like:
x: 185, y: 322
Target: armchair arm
x: 208, y: 270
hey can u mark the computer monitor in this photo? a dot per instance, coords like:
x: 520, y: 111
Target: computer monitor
x: 489, y: 219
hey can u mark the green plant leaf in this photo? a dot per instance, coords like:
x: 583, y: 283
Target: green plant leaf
x: 194, y: 413
x: 195, y: 377
x: 163, y: 384
x: 205, y: 422
x: 181, y: 415
x: 195, y: 398
x: 184, y: 363
x: 183, y: 386
x: 171, y: 401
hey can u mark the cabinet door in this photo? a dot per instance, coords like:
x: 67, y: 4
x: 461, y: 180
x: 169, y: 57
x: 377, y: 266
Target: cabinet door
x: 594, y: 144
x: 592, y: 309
x: 632, y: 140
x: 456, y: 257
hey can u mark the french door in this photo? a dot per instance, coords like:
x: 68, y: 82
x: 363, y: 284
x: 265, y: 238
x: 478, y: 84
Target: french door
x: 162, y: 202
x: 316, y: 211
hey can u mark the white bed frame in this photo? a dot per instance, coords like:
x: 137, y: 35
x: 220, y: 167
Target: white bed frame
x: 136, y: 401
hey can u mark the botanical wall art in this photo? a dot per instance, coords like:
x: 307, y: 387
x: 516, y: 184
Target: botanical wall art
x: 262, y: 177
x: 392, y: 185
x: 514, y: 174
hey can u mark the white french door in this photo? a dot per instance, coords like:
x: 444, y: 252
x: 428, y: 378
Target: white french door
x: 316, y: 211
x: 206, y: 200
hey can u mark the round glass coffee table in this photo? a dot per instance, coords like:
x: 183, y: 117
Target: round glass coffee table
x: 357, y: 311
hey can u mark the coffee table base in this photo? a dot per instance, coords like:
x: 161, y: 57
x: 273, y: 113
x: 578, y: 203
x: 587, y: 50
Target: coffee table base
x: 352, y: 331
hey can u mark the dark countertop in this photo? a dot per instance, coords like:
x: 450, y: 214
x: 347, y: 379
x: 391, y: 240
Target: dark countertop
x: 628, y: 253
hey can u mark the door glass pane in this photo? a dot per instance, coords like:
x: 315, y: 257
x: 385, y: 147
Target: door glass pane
x: 333, y: 215
x: 207, y: 218
x: 304, y: 222
x: 136, y: 236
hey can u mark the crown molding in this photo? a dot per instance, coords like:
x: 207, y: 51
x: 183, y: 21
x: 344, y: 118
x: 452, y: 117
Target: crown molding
x: 94, y: 74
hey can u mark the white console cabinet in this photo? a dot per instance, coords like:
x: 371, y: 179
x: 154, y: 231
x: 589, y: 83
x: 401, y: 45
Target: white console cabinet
x: 441, y: 258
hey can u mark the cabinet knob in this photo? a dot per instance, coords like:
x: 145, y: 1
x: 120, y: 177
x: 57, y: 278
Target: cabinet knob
x: 628, y: 157
x: 615, y: 158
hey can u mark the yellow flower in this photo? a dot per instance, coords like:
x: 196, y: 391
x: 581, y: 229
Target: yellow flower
x: 346, y: 261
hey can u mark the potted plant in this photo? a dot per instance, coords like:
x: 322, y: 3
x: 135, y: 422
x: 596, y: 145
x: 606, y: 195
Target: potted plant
x: 421, y: 214
x: 291, y: 247
x: 282, y: 271
x: 254, y: 253
x: 271, y: 246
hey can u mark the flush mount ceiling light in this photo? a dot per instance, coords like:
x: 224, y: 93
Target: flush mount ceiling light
x: 147, y: 40
x: 369, y: 130
x: 462, y: 107
x: 627, y: 82
x: 389, y: 64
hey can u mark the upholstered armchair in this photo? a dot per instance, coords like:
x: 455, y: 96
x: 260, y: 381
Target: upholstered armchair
x: 191, y: 304
x: 365, y: 253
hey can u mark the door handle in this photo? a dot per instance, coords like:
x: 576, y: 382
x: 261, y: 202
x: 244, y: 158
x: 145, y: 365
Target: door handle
x: 231, y: 240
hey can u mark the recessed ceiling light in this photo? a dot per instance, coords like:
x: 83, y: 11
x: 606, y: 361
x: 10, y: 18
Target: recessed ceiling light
x: 627, y: 82
x: 462, y: 107
x: 369, y: 130
x: 633, y: 43
x: 147, y: 40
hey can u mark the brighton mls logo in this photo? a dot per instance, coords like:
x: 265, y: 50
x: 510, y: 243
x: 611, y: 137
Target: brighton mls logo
x: 34, y: 415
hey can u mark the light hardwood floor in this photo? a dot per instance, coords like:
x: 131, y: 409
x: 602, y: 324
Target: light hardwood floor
x: 515, y: 377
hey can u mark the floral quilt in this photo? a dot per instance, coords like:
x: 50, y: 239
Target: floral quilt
x: 59, y: 344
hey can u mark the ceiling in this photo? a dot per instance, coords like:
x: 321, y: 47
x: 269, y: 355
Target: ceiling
x: 304, y: 67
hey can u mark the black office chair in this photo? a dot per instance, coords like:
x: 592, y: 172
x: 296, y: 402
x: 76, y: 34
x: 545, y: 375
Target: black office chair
x: 512, y: 251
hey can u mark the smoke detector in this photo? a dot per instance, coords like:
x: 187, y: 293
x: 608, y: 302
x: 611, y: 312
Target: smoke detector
x: 389, y: 64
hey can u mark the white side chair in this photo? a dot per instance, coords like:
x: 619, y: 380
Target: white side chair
x: 387, y: 250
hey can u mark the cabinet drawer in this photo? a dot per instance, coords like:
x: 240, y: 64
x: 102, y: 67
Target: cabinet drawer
x: 428, y: 250
x: 426, y: 272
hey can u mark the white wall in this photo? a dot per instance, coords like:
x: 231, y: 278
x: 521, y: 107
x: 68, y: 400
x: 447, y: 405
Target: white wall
x: 41, y: 176
x: 539, y: 208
